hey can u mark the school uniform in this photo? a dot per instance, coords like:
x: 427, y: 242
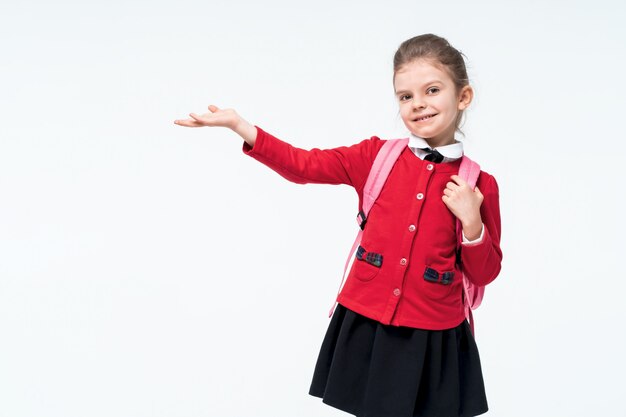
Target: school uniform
x: 398, y: 343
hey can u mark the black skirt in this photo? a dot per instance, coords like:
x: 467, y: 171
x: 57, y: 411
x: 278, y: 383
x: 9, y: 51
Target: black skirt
x: 372, y: 370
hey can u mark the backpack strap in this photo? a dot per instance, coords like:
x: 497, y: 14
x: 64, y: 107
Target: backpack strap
x: 384, y: 161
x: 472, y: 294
x: 469, y: 172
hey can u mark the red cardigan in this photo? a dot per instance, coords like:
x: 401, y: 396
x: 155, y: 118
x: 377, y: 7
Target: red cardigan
x: 409, y: 225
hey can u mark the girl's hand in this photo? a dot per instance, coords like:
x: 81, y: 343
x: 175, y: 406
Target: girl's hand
x: 222, y: 118
x: 465, y: 204
x: 215, y: 117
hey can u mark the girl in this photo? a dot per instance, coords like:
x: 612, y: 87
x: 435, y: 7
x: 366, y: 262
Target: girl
x: 398, y: 343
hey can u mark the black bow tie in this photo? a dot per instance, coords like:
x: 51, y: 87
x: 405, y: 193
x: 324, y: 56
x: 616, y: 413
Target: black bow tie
x: 433, y: 155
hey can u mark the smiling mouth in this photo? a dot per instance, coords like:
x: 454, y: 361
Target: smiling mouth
x: 419, y: 119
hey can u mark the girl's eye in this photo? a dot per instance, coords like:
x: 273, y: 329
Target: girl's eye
x: 405, y: 97
x: 433, y: 90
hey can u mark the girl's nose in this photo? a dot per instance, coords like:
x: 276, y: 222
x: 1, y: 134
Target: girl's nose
x: 418, y: 103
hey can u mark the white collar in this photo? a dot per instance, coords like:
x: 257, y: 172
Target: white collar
x: 450, y: 152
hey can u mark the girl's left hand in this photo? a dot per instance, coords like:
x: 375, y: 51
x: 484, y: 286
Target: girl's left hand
x: 465, y: 204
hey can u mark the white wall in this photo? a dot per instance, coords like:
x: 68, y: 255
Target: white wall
x: 152, y: 270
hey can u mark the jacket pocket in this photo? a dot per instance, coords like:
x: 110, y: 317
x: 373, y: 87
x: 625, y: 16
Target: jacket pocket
x: 367, y: 264
x: 439, y: 281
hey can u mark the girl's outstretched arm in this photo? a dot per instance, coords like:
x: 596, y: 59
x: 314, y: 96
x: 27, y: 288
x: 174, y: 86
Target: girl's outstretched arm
x: 222, y: 118
x: 341, y: 165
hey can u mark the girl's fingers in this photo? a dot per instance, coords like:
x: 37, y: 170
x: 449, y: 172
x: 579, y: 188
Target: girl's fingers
x: 195, y: 119
x: 198, y: 120
x: 458, y: 180
x: 202, y: 120
x: 452, y: 186
x: 187, y: 123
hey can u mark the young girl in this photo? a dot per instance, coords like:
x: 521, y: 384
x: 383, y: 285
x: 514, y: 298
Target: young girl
x: 398, y: 343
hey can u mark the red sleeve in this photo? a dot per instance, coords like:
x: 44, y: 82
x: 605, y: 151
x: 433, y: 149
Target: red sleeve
x: 343, y: 165
x: 482, y: 261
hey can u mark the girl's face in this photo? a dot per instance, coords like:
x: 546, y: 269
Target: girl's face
x: 429, y: 102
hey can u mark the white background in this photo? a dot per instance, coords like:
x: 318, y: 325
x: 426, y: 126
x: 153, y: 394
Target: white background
x: 148, y: 269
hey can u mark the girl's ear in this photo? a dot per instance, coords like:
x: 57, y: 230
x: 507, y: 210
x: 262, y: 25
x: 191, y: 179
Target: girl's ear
x: 465, y: 97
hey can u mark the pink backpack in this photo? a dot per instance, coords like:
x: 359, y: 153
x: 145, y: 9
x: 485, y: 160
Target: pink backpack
x: 385, y: 160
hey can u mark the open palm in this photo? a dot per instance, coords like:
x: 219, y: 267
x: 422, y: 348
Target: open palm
x: 214, y: 117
